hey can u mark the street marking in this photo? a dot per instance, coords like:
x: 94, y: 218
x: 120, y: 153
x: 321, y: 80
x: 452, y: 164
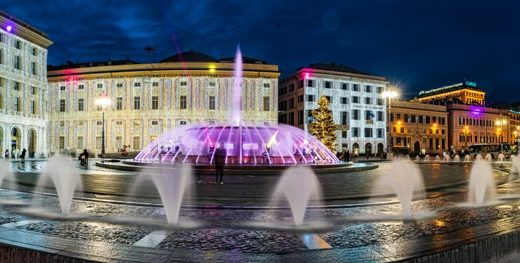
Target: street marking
x: 153, y: 239
x: 313, y: 241
x: 20, y: 223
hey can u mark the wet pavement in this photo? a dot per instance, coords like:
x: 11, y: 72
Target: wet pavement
x: 224, y: 234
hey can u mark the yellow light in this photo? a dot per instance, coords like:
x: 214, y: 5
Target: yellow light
x: 272, y: 140
x: 518, y: 127
x: 212, y: 68
x: 504, y: 121
x: 399, y: 123
x: 497, y: 122
x: 435, y: 125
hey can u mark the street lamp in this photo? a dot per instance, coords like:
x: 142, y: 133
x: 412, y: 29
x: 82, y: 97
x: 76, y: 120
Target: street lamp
x: 389, y: 94
x: 501, y: 123
x: 103, y: 102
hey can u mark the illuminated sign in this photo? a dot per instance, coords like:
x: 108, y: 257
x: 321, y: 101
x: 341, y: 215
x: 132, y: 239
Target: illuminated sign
x: 472, y: 84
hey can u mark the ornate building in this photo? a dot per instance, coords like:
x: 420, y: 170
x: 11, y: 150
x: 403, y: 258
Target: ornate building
x: 23, y: 87
x: 464, y: 93
x: 419, y: 128
x: 356, y: 101
x: 148, y: 99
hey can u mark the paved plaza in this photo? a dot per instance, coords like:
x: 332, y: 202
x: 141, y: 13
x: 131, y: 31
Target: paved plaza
x: 115, y: 219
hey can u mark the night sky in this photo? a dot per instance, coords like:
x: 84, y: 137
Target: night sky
x: 418, y: 44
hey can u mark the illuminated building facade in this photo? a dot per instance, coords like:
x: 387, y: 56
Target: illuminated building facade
x: 471, y: 124
x: 514, y: 127
x: 463, y: 93
x: 356, y: 101
x: 149, y: 99
x: 23, y: 88
x: 419, y: 128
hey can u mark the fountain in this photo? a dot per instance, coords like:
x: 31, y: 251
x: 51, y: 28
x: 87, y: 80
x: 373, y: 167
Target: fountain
x: 501, y: 157
x: 427, y: 158
x: 467, y: 158
x: 478, y: 157
x: 417, y: 158
x: 489, y: 158
x: 298, y: 186
x: 246, y: 144
x: 481, y: 183
x: 66, y: 179
x: 446, y: 158
x: 515, y: 164
x: 405, y: 180
x: 437, y: 158
x: 456, y: 158
x: 5, y: 169
x: 172, y: 185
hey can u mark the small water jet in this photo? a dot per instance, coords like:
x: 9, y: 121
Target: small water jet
x: 427, y: 158
x: 66, y: 178
x: 5, y: 169
x: 481, y: 186
x: 172, y: 185
x: 446, y: 158
x: 299, y: 186
x: 467, y: 158
x: 437, y: 158
x: 478, y: 157
x: 501, y: 157
x: 489, y: 158
x: 456, y: 158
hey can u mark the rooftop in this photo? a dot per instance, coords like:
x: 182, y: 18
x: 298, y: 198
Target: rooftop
x: 190, y: 56
x: 22, y: 23
x: 71, y: 64
x: 337, y: 67
x: 459, y: 86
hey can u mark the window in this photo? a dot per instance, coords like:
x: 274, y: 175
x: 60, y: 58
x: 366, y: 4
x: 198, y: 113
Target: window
x: 344, y: 100
x: 1, y: 56
x: 99, y: 123
x: 300, y: 117
x: 155, y: 84
x: 62, y: 105
x: 344, y: 86
x: 62, y: 88
x: 155, y: 122
x: 266, y: 85
x: 344, y: 118
x: 17, y: 62
x: 379, y: 101
x: 184, y: 83
x: 355, y: 132
x: 343, y: 134
x: 61, y: 142
x: 119, y: 123
x: 211, y: 102
x: 368, y: 100
x: 119, y: 103
x: 18, y: 44
x: 119, y: 85
x: 184, y: 102
x: 183, y: 122
x: 355, y: 87
x: 368, y: 88
x: 32, y: 106
x: 62, y: 123
x: 100, y: 85
x: 80, y: 104
x: 212, y: 84
x: 379, y: 90
x: 80, y: 142
x: 355, y: 99
x: 267, y: 104
x: 300, y: 84
x: 310, y: 83
x: 380, y: 133
x: 310, y: 97
x: 291, y: 118
x: 379, y: 116
x: 291, y: 103
x: 328, y: 84
x: 17, y: 104
x: 34, y: 51
x: 369, y: 115
x: 355, y: 114
x: 300, y: 98
x: 368, y: 133
x: 155, y: 102
x: 137, y: 103
x: 137, y: 84
x: 81, y: 86
x: 33, y: 68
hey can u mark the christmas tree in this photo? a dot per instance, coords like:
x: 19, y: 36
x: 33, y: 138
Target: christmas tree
x: 323, y: 127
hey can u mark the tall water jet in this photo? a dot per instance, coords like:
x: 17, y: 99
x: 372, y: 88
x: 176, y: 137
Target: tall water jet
x: 237, y: 89
x: 5, y: 169
x: 172, y: 184
x: 298, y: 186
x: 515, y: 164
x: 481, y: 183
x: 489, y: 158
x: 66, y: 178
x: 405, y: 180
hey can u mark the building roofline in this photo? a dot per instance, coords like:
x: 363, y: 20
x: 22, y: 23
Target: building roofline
x: 313, y: 71
x: 25, y: 31
x: 449, y: 88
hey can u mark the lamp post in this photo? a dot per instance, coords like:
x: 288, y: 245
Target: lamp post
x: 501, y: 123
x: 103, y: 101
x: 389, y: 94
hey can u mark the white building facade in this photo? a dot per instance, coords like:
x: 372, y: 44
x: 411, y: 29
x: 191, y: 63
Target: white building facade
x: 150, y: 99
x: 358, y: 107
x: 23, y: 88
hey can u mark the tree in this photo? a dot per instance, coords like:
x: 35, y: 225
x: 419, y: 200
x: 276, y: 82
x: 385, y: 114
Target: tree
x: 323, y: 127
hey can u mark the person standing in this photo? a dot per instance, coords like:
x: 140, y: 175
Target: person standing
x: 22, y: 156
x: 6, y: 154
x: 220, y: 162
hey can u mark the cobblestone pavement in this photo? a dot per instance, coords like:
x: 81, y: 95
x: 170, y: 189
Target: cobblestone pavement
x: 227, y: 230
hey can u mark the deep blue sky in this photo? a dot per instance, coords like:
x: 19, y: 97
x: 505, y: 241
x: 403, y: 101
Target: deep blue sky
x: 418, y: 44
